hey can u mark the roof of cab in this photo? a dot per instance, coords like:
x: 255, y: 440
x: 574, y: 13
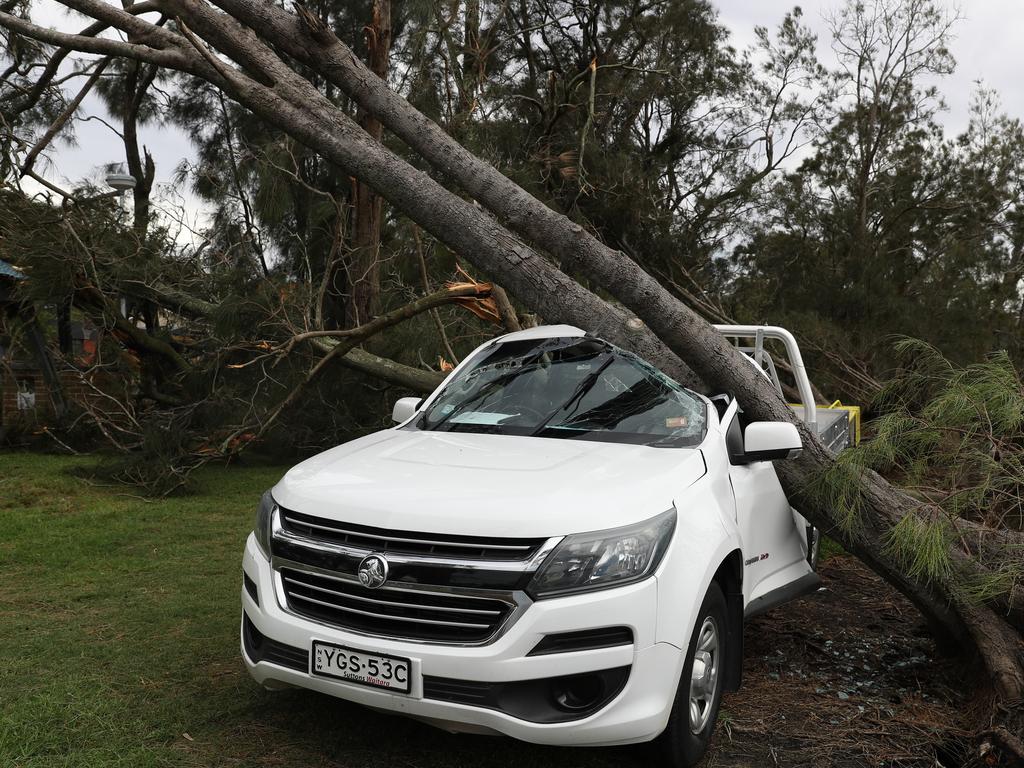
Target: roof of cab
x: 543, y: 332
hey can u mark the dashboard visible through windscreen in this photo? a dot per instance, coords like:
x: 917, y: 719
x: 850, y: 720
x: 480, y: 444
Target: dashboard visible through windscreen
x: 578, y: 388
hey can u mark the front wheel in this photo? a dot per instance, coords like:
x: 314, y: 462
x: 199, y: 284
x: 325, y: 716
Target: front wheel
x: 688, y: 733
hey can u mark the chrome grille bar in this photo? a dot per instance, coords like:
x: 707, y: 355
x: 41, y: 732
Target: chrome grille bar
x: 482, y: 545
x: 279, y: 532
x: 432, y: 622
x: 422, y: 613
x: 446, y: 609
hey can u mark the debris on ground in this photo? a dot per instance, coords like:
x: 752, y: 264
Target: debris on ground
x: 848, y: 676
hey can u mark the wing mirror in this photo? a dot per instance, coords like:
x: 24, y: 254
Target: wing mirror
x: 771, y: 440
x: 405, y: 408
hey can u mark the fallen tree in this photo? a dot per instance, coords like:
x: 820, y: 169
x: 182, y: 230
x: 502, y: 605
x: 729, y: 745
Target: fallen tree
x: 519, y: 246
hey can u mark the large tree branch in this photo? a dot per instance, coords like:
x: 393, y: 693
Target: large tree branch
x: 385, y: 369
x: 366, y: 330
x: 349, y: 339
x: 48, y: 74
x: 93, y: 300
x: 101, y: 45
x: 458, y: 223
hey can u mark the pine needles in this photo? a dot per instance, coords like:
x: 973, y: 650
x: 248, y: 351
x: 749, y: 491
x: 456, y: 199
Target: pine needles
x: 922, y: 547
x: 953, y: 435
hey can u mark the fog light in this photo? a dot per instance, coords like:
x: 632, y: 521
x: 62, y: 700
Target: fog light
x: 577, y: 692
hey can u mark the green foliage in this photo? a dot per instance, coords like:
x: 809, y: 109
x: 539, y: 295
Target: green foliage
x: 922, y: 547
x: 954, y: 433
x: 838, y: 488
x: 953, y: 437
x: 997, y: 582
x: 890, y: 226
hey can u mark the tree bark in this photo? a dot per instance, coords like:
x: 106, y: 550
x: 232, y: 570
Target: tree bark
x: 459, y: 224
x: 364, y: 262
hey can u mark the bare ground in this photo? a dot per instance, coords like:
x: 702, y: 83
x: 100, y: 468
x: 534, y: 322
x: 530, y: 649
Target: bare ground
x: 849, y: 676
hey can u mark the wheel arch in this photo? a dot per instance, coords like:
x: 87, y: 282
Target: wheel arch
x: 729, y: 577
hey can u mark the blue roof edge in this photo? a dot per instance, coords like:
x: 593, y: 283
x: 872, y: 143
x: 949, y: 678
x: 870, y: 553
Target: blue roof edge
x: 11, y: 271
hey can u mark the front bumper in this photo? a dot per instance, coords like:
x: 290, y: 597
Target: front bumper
x: 638, y: 713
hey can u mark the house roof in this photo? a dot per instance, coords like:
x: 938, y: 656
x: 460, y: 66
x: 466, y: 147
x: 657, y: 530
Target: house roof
x: 9, y: 270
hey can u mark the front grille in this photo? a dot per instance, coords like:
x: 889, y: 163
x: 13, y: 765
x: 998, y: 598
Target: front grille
x: 406, y: 613
x: 408, y: 542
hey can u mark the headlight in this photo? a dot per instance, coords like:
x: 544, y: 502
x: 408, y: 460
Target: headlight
x: 603, y: 559
x: 261, y: 526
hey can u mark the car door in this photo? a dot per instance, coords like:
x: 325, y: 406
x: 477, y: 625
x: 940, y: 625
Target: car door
x: 773, y: 554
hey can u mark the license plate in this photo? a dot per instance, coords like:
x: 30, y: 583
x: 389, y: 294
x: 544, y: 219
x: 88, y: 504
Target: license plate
x: 374, y: 669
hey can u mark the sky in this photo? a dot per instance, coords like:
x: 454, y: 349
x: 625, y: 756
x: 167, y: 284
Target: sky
x: 987, y: 47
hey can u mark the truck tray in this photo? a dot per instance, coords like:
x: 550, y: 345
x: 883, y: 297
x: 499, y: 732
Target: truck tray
x: 834, y: 427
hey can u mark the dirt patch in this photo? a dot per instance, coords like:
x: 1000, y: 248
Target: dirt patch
x: 848, y: 676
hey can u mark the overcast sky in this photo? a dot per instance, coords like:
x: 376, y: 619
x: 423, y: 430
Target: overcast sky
x: 987, y: 47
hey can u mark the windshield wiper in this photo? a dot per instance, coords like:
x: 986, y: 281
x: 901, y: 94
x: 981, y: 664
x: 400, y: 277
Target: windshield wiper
x: 582, y: 388
x: 485, y: 390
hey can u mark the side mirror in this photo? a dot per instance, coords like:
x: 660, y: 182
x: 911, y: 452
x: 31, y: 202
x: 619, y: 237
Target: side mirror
x: 405, y: 408
x: 771, y: 440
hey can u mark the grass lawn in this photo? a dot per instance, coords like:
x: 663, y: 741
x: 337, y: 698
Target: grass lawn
x: 119, y: 641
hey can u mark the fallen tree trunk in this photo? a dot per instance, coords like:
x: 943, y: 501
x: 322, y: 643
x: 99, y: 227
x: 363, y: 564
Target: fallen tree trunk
x: 273, y: 90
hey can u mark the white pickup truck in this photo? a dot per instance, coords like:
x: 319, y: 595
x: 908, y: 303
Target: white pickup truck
x: 560, y: 544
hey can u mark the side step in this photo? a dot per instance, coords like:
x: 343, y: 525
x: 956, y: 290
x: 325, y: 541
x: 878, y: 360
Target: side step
x: 803, y: 586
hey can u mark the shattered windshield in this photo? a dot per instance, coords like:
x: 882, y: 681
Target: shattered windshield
x: 577, y: 388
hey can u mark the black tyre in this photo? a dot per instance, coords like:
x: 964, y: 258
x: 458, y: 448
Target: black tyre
x: 688, y: 733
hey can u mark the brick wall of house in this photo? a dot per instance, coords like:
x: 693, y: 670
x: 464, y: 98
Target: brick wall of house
x: 10, y: 383
x: 76, y: 393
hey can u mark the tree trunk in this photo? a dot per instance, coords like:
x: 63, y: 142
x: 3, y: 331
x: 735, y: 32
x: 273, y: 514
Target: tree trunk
x: 364, y: 262
x: 139, y: 161
x: 471, y: 54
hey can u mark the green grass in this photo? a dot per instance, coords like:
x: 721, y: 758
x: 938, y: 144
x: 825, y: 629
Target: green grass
x: 119, y: 636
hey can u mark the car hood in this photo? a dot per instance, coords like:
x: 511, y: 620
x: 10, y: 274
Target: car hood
x: 488, y: 485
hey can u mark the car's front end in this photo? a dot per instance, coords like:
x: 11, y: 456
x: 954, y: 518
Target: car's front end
x: 465, y: 646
